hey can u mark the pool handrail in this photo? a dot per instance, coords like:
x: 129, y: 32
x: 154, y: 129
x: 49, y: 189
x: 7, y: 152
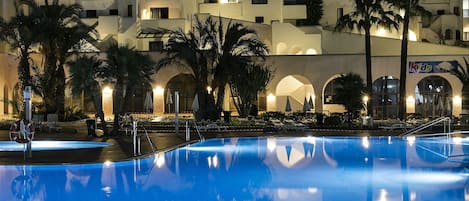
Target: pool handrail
x: 447, y: 127
x: 201, y: 137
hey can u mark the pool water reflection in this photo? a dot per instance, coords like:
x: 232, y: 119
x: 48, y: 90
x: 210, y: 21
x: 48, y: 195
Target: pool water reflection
x: 309, y: 168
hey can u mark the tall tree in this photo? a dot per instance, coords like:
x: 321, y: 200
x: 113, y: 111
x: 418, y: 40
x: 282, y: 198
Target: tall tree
x: 125, y: 68
x: 20, y: 34
x: 84, y: 80
x: 411, y: 8
x: 314, y: 12
x: 462, y: 73
x: 59, y: 28
x: 234, y: 51
x: 369, y: 13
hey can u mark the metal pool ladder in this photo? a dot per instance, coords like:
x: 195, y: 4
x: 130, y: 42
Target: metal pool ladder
x: 188, y: 131
x: 136, y: 141
x: 447, y: 134
x: 446, y: 128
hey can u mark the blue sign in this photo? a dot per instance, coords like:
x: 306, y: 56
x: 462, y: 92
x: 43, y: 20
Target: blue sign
x: 432, y: 66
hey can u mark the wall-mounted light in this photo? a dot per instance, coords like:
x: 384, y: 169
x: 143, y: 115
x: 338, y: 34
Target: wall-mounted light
x: 158, y: 90
x: 270, y: 97
x: 209, y: 89
x: 107, y: 90
x: 457, y: 100
x: 365, y: 99
x: 410, y: 100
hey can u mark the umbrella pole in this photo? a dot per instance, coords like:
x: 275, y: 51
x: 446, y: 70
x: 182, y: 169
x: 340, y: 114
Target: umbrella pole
x: 176, y: 111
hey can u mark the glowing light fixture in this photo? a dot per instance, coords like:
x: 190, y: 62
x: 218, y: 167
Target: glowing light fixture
x: 410, y: 100
x: 270, y: 97
x: 457, y: 100
x: 158, y: 90
x: 107, y: 90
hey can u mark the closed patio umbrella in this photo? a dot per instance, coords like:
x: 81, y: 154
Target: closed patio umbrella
x: 288, y: 105
x: 305, y: 105
x: 169, y: 99
x: 195, y: 104
x: 148, y: 104
x: 311, y: 103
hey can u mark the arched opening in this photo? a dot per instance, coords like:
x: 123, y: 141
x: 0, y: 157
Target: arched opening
x: 184, y: 84
x: 138, y: 99
x: 330, y: 96
x: 296, y: 88
x: 433, y: 97
x: 386, y: 97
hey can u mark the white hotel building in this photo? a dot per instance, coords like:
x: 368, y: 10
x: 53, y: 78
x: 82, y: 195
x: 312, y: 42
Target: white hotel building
x: 306, y: 59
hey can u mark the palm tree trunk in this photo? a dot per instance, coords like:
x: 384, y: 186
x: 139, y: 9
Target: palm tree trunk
x: 117, y: 107
x: 369, y: 80
x: 403, y: 72
x: 60, y: 93
x: 96, y: 95
x: 24, y: 72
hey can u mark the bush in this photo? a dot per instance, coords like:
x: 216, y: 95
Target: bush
x: 332, y: 121
x: 73, y: 113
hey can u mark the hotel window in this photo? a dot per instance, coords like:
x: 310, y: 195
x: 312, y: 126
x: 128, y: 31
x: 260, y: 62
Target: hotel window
x: 259, y: 19
x: 91, y: 14
x: 211, y: 1
x: 259, y: 1
x: 465, y: 36
x: 156, y: 46
x: 129, y: 10
x: 294, y: 2
x: 159, y: 13
x: 113, y: 12
x: 340, y: 13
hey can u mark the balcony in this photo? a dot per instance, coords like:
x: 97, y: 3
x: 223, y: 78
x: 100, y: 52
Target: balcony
x: 148, y: 26
x: 230, y: 10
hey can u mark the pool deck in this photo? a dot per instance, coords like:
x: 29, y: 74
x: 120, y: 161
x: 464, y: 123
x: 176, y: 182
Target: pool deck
x: 121, y: 148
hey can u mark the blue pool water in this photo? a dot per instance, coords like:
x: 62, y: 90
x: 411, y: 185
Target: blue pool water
x: 309, y: 168
x: 47, y: 145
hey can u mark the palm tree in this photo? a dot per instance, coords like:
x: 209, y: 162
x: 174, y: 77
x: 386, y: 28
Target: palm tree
x: 192, y: 51
x: 350, y: 85
x: 246, y: 83
x: 126, y: 69
x: 462, y: 73
x: 368, y: 13
x: 83, y: 80
x: 234, y: 52
x: 59, y: 27
x: 411, y: 8
x: 212, y: 54
x: 19, y: 33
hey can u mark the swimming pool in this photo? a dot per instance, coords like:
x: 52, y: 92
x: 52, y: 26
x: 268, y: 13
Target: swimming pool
x: 307, y: 168
x: 50, y: 145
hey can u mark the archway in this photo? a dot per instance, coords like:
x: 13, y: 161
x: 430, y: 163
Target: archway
x: 137, y: 102
x: 433, y: 97
x: 185, y: 85
x: 297, y: 88
x: 385, y: 97
x: 330, y: 103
